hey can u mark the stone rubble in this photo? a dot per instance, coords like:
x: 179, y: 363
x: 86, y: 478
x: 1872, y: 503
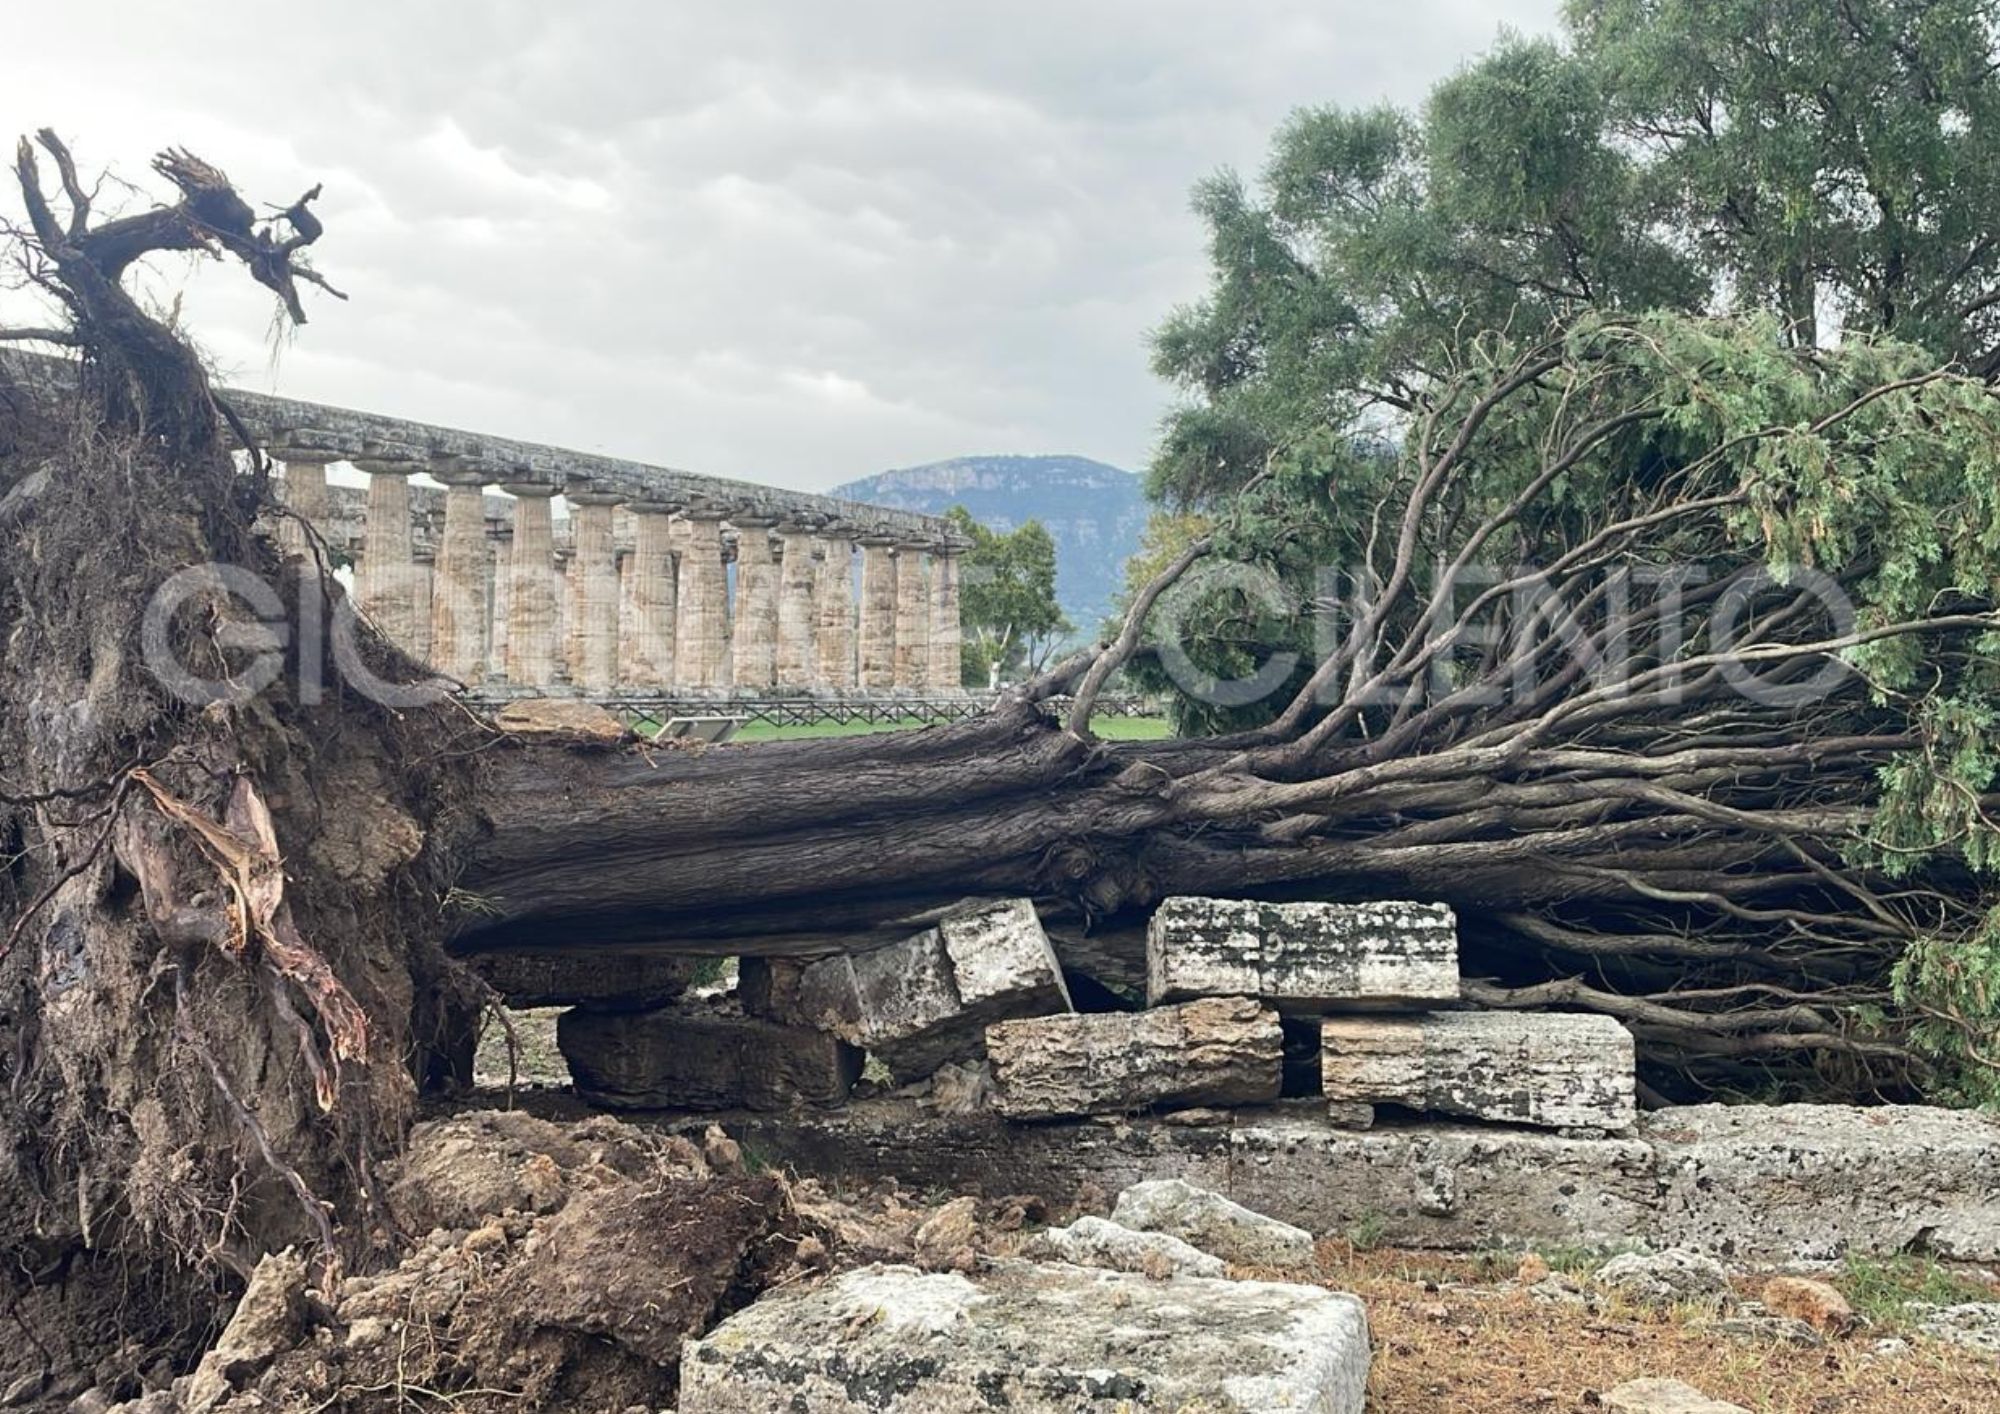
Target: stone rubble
x: 1971, y: 1325
x: 1664, y: 1397
x: 1673, y: 1277
x: 1705, y: 1177
x: 1302, y: 957
x: 1814, y: 1303
x: 1098, y: 1242
x: 1032, y: 1339
x: 1214, y: 1224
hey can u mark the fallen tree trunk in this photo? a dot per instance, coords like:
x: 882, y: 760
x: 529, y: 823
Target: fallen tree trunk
x: 1751, y: 815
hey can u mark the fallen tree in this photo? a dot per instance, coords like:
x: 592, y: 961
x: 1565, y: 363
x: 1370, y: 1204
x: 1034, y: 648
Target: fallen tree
x: 1709, y: 750
x: 1593, y: 679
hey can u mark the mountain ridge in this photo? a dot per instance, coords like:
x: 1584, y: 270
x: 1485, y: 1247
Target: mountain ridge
x: 1094, y: 511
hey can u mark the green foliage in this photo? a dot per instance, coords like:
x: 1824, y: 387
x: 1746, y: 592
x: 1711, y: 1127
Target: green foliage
x: 1835, y: 164
x: 1882, y: 1291
x: 1953, y: 984
x: 1821, y: 158
x: 1368, y: 1233
x: 1007, y: 599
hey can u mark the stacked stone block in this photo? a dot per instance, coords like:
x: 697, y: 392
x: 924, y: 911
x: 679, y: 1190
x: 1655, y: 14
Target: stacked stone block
x: 1349, y: 963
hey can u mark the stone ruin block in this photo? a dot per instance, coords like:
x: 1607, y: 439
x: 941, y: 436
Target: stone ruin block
x: 1032, y: 1339
x: 1303, y: 957
x: 1560, y: 1070
x: 926, y: 1001
x: 609, y: 979
x: 698, y: 1055
x: 1217, y: 1051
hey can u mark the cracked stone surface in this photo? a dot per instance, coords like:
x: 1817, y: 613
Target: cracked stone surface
x: 1098, y: 1242
x: 1213, y: 1223
x: 1557, y: 1070
x: 1302, y: 957
x: 1217, y: 1051
x: 1031, y: 1338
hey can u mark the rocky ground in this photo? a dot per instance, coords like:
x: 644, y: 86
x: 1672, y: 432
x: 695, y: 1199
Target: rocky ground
x: 563, y: 1263
x: 1555, y: 1330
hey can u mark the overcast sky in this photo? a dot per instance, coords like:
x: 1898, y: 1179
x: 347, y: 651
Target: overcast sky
x: 795, y: 243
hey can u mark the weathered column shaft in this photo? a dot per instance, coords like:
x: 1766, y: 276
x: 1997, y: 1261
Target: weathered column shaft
x: 596, y: 666
x: 798, y: 615
x: 531, y: 591
x: 387, y: 581
x: 913, y: 640
x: 499, y: 554
x: 678, y: 532
x: 305, y: 498
x: 652, y: 597
x: 878, y: 615
x: 833, y: 665
x: 565, y: 582
x: 755, y: 646
x: 703, y: 643
x: 946, y: 636
x: 423, y: 574
x: 459, y: 602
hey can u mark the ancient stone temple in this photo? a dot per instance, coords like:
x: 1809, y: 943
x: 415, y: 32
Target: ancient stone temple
x: 536, y: 569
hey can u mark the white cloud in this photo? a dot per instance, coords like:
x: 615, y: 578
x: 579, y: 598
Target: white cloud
x: 786, y: 242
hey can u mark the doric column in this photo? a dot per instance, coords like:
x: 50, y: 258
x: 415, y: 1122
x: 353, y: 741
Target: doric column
x: 564, y: 559
x: 499, y: 554
x: 460, y: 606
x: 913, y: 639
x: 652, y: 596
x: 596, y: 635
x: 946, y: 634
x: 798, y: 615
x: 702, y: 646
x: 531, y: 589
x: 878, y: 613
x: 423, y: 574
x: 386, y: 583
x: 754, y: 650
x: 305, y: 498
x: 833, y: 659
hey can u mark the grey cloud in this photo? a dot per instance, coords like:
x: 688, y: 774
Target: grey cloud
x: 791, y: 242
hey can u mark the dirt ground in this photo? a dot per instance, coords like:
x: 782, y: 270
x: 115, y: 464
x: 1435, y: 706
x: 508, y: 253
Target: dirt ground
x: 1454, y: 1336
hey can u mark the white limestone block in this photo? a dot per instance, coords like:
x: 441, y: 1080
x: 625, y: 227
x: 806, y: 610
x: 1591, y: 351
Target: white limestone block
x: 1560, y: 1070
x: 1303, y: 957
x: 1213, y: 1223
x: 1098, y: 1242
x: 926, y: 1001
x: 1032, y: 1339
x: 1218, y: 1051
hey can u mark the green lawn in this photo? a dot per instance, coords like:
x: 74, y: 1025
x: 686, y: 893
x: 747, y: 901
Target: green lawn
x: 1109, y: 728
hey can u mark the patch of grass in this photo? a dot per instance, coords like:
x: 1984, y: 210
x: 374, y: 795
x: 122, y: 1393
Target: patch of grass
x: 1132, y: 728
x: 767, y: 731
x: 1367, y: 1234
x: 1882, y: 1291
x: 1108, y: 728
x: 1580, y: 1259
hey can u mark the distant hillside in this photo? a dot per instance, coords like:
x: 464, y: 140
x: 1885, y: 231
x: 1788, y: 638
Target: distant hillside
x: 1095, y: 513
